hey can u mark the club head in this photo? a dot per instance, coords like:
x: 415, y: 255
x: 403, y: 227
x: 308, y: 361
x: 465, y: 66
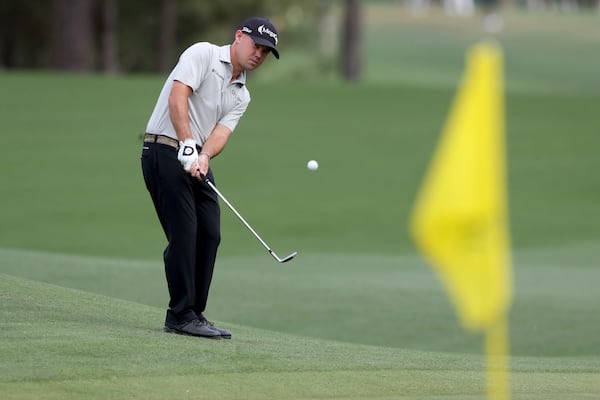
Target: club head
x: 284, y: 259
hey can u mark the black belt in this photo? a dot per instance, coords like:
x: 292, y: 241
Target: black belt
x: 162, y: 139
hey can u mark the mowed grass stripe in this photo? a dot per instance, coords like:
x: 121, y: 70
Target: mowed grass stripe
x: 105, y: 348
x: 383, y: 384
x: 270, y: 385
x: 382, y: 300
x: 357, y: 385
x: 44, y: 319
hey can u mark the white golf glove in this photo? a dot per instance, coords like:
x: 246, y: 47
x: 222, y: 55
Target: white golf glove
x: 187, y: 154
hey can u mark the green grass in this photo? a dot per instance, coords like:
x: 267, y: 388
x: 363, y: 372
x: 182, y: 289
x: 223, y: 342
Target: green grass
x: 109, y: 348
x: 85, y: 168
x: 379, y: 300
x: 357, y: 314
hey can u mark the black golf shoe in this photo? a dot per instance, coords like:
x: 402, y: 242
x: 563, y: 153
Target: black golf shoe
x: 225, y: 334
x: 195, y: 327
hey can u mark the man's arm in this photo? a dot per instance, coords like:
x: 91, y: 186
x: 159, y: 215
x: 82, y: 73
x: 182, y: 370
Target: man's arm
x: 213, y: 146
x: 179, y: 113
x: 180, y: 118
x: 178, y: 110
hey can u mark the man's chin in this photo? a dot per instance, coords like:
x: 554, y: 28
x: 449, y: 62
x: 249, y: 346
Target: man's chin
x: 252, y: 65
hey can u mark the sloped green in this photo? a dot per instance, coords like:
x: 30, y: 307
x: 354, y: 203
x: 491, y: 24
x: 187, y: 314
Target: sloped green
x: 69, y: 344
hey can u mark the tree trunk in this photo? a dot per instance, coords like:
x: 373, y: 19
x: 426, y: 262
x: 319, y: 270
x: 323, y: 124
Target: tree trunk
x: 8, y: 37
x: 72, y: 43
x: 166, y: 39
x: 109, y: 39
x: 351, y: 55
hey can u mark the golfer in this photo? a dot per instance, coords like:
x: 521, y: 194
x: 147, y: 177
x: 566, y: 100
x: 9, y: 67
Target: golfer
x: 197, y: 110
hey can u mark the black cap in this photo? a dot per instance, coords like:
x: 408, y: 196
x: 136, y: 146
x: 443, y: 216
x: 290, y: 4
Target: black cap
x: 263, y: 32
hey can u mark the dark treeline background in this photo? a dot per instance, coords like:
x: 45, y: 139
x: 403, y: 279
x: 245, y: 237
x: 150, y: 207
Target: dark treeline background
x: 148, y: 35
x: 136, y: 35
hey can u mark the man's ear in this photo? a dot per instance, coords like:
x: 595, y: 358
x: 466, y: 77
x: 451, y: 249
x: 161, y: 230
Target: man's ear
x: 238, y: 36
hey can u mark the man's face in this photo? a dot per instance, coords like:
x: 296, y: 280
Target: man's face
x: 249, y: 54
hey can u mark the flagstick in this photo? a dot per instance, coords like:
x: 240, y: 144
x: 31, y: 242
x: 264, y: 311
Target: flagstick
x: 496, y: 344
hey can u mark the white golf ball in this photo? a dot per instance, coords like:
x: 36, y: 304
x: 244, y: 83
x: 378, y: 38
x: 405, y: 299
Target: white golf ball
x: 312, y: 165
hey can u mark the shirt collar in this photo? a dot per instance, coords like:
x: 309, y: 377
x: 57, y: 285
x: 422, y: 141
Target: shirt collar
x: 225, y: 56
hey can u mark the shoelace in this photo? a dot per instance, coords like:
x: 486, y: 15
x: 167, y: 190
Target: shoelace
x: 198, y: 322
x: 203, y: 319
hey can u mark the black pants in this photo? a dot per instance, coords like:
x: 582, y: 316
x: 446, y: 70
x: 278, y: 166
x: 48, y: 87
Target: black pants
x: 189, y: 214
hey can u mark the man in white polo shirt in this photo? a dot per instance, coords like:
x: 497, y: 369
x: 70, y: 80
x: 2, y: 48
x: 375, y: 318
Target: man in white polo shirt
x: 198, y: 108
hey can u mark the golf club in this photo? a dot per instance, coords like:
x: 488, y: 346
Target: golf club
x: 281, y: 260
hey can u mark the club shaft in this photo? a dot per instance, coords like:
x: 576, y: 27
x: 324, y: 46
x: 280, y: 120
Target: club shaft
x: 213, y: 187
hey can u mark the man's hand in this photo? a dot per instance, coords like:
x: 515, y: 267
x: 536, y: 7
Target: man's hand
x: 188, y: 155
x: 203, y: 164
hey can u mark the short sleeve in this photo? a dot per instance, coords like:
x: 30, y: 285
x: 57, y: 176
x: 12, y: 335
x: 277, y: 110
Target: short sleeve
x: 193, y: 65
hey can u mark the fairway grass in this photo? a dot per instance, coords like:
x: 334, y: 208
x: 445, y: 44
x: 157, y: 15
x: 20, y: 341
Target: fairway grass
x: 380, y: 300
x: 357, y: 314
x: 109, y: 348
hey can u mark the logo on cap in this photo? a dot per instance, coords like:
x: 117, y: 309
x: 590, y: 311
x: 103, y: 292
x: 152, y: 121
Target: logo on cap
x: 263, y: 30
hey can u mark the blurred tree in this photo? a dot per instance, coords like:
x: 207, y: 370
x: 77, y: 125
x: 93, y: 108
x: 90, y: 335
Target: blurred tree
x: 328, y: 27
x: 23, y: 33
x: 135, y: 35
x: 147, y: 35
x: 351, y: 54
x: 155, y: 32
x: 166, y: 36
x: 72, y: 42
x: 109, y: 35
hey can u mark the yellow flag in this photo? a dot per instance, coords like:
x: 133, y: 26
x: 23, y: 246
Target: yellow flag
x: 459, y: 221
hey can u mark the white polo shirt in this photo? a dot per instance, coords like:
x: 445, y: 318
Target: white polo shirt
x: 206, y: 69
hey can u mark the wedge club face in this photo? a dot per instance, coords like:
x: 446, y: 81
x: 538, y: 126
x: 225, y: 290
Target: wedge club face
x: 284, y: 259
